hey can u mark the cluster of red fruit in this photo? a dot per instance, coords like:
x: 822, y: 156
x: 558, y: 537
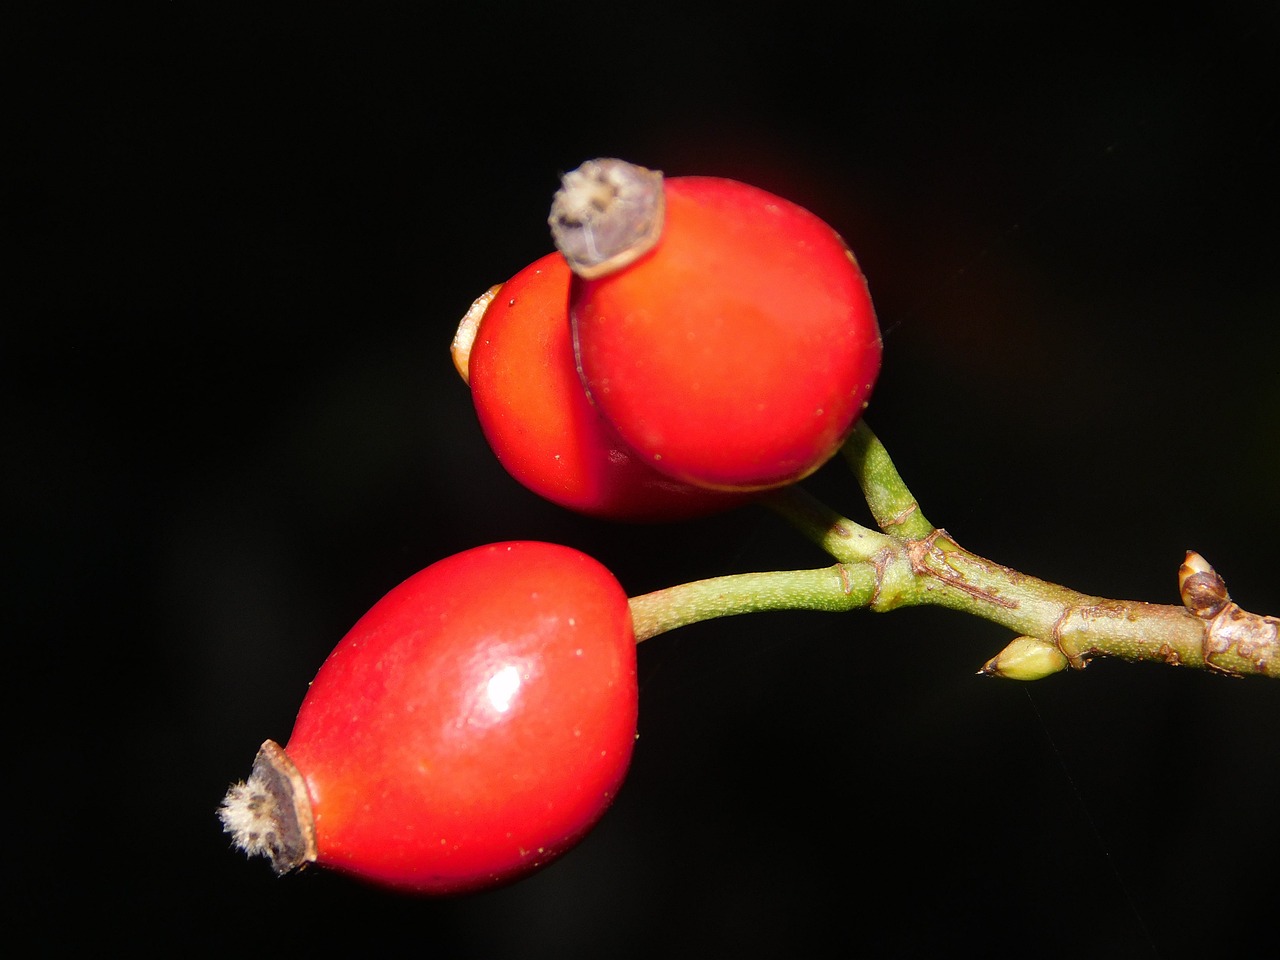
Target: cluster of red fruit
x: 693, y: 341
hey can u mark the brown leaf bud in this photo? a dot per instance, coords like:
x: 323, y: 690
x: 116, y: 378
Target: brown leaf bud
x: 1203, y: 592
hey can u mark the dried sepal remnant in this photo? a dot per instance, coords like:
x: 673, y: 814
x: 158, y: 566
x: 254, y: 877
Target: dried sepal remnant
x: 1229, y: 630
x: 269, y: 815
x: 460, y: 349
x: 607, y: 214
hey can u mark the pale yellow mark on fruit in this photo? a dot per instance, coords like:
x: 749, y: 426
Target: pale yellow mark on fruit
x: 465, y: 337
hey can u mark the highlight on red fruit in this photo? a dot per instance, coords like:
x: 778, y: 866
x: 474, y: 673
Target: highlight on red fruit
x: 515, y: 349
x: 738, y: 347
x: 469, y: 729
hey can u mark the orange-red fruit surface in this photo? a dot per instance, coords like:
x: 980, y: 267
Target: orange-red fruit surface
x: 739, y: 352
x: 542, y: 427
x: 475, y: 723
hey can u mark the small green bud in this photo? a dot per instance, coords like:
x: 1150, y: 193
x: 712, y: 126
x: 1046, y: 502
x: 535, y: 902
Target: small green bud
x: 1026, y: 658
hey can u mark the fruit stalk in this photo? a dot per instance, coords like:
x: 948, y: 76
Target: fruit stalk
x: 833, y: 589
x: 912, y: 563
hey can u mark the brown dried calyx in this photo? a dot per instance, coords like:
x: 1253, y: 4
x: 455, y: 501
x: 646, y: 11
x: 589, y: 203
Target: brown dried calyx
x: 606, y: 214
x: 269, y: 815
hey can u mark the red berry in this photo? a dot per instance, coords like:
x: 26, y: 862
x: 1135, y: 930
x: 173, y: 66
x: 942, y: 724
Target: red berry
x: 470, y: 728
x: 738, y: 348
x: 515, y: 348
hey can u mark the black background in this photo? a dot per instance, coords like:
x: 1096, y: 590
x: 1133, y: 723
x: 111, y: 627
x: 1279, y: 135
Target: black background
x: 245, y: 239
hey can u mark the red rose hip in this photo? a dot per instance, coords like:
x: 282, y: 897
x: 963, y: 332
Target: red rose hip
x: 471, y: 727
x: 515, y: 349
x: 728, y: 337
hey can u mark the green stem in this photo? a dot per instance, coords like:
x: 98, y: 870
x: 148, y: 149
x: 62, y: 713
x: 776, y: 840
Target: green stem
x: 937, y: 571
x: 839, y: 536
x: 914, y: 564
x: 833, y: 589
x: 895, y: 509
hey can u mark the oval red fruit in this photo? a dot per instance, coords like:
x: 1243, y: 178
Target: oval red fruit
x: 471, y: 727
x: 739, y: 351
x: 538, y: 419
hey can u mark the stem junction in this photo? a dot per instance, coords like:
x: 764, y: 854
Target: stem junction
x: 910, y: 562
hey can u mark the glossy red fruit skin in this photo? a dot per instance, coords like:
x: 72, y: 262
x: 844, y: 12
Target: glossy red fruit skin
x: 475, y: 723
x: 739, y: 352
x: 542, y: 426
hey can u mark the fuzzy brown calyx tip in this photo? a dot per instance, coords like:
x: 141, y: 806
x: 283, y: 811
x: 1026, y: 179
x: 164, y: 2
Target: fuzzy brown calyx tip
x: 269, y: 815
x: 606, y: 214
